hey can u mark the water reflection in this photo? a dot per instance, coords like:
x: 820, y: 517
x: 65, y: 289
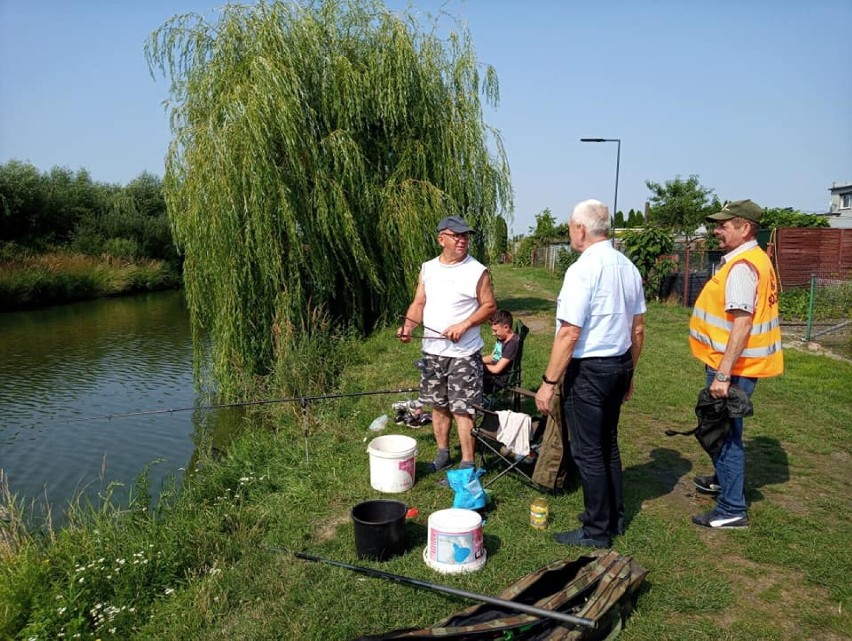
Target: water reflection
x: 61, y: 365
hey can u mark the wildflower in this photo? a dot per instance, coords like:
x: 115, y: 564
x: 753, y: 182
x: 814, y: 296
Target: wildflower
x: 61, y: 610
x: 82, y: 579
x: 169, y: 590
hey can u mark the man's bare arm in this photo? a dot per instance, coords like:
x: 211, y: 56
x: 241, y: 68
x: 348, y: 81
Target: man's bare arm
x: 637, y: 342
x: 414, y: 315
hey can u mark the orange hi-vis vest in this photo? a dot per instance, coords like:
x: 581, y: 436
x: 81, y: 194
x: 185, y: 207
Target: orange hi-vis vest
x: 710, y: 325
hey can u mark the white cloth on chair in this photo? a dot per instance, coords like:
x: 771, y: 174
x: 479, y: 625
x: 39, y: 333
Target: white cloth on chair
x: 514, y: 431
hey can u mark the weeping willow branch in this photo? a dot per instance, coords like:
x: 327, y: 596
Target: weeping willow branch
x: 314, y: 149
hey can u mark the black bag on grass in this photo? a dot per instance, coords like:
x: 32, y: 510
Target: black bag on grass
x: 599, y: 586
x: 714, y: 418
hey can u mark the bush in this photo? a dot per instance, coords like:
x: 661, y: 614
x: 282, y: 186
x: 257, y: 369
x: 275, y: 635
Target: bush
x: 831, y: 302
x: 646, y: 247
x: 566, y: 258
x: 523, y: 255
x: 122, y: 248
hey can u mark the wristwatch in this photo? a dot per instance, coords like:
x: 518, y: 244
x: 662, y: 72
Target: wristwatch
x: 723, y: 378
x: 547, y: 380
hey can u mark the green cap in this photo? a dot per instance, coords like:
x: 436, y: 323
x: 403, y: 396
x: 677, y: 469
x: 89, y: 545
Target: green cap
x: 738, y: 209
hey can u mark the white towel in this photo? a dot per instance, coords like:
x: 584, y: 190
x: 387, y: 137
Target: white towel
x: 514, y: 431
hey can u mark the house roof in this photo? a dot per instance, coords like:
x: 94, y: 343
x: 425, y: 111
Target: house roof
x: 840, y: 187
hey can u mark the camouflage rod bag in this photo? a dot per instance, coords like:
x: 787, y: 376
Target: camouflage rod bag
x: 599, y: 586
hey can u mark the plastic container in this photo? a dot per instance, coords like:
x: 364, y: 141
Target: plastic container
x: 455, y: 541
x: 539, y: 513
x: 392, y: 459
x: 379, y: 423
x: 379, y: 529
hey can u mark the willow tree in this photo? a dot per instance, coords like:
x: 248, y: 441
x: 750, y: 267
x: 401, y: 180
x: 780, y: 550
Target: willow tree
x: 314, y: 149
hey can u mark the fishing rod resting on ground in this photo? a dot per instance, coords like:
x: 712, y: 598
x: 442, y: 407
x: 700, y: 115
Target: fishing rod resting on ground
x: 304, y: 400
x: 503, y: 603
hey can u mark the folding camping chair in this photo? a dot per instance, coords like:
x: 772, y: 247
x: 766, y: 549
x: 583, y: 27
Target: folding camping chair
x: 549, y: 466
x: 507, y: 394
x: 518, y: 453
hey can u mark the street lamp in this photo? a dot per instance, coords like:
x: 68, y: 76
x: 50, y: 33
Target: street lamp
x: 617, y: 164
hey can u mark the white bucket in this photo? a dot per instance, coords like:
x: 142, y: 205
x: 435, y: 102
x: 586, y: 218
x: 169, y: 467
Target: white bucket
x: 455, y: 541
x: 392, y: 462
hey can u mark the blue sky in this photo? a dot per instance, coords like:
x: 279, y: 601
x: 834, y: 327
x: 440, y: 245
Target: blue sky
x: 753, y: 97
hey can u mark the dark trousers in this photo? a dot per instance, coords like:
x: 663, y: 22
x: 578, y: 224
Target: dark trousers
x: 593, y: 392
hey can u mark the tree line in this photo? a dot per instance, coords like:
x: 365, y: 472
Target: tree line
x: 676, y: 212
x: 66, y: 210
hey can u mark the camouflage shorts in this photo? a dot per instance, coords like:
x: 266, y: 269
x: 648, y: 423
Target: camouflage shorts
x: 452, y: 381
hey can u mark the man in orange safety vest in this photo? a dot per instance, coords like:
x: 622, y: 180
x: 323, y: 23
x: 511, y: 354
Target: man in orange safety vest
x: 736, y: 333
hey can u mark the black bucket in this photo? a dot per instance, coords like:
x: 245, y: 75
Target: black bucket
x: 379, y: 529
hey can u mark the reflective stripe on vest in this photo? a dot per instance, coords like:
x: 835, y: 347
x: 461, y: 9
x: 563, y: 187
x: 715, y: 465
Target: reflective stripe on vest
x: 710, y: 326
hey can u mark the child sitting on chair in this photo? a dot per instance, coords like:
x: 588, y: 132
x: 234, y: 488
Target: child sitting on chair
x: 498, y: 363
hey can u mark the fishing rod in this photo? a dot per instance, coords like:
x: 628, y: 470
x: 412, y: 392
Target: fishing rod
x: 426, y: 327
x: 503, y: 603
x: 301, y: 399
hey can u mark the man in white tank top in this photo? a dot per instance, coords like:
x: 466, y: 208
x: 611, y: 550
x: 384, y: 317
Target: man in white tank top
x: 453, y: 298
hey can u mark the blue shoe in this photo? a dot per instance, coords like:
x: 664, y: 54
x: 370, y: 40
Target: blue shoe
x: 716, y: 521
x: 579, y: 537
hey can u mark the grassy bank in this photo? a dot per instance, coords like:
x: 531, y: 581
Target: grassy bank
x: 199, y: 565
x: 62, y: 277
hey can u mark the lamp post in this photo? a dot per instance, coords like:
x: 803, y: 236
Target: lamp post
x: 617, y: 165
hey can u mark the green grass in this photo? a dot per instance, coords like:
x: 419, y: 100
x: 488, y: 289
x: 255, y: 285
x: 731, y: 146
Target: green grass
x: 62, y: 277
x: 210, y: 572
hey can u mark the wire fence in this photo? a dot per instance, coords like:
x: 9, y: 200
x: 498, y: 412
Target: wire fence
x: 820, y: 310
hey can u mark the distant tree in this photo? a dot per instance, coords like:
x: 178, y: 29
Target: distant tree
x: 22, y: 199
x: 501, y: 236
x: 618, y: 220
x: 40, y: 209
x: 146, y: 190
x: 680, y: 205
x: 789, y: 217
x: 545, y: 224
x: 545, y: 232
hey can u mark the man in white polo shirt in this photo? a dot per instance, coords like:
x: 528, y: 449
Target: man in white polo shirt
x: 600, y: 330
x: 453, y: 298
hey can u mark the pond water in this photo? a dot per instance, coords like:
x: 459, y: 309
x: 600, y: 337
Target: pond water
x: 62, y: 367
